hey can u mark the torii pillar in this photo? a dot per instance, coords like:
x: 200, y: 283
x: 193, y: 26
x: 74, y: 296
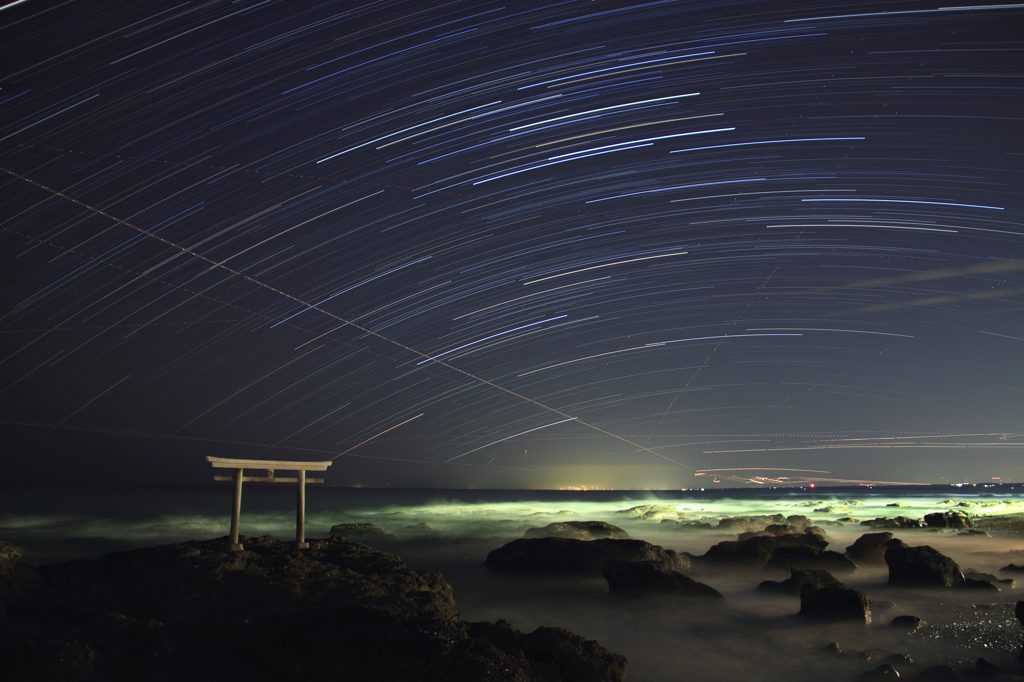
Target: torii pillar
x: 240, y: 465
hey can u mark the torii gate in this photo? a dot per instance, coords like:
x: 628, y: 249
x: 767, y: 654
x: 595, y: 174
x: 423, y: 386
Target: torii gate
x: 239, y: 465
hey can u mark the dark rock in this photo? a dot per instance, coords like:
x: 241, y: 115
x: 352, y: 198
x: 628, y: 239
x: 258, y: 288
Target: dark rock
x: 579, y: 530
x: 1012, y: 568
x: 799, y: 578
x: 688, y: 525
x: 832, y: 648
x: 9, y: 552
x: 882, y: 672
x: 988, y: 577
x: 567, y: 556
x: 198, y: 612
x: 949, y: 519
x: 652, y: 512
x: 420, y: 528
x: 987, y: 669
x: 835, y: 603
x: 749, y: 523
x: 809, y: 558
x: 869, y: 548
x: 908, y: 623
x: 358, y: 530
x: 974, y: 531
x: 758, y: 550
x: 1018, y: 611
x: 980, y: 584
x: 635, y: 578
x: 899, y: 659
x: 798, y: 520
x: 939, y: 673
x: 894, y: 522
x: 922, y: 567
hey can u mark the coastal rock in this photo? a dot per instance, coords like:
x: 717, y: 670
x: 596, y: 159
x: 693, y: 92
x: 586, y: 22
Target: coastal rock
x: 972, y: 574
x: 908, y: 623
x: 756, y: 551
x: 806, y: 557
x: 939, y: 673
x: 635, y: 578
x: 1012, y: 568
x: 835, y: 603
x: 798, y: 520
x: 894, y: 522
x: 922, y: 567
x: 798, y: 579
x: 196, y: 611
x: 651, y: 512
x: 359, y: 530
x: 568, y: 556
x: 748, y: 523
x: 880, y: 674
x: 949, y: 519
x: 869, y: 548
x: 579, y: 530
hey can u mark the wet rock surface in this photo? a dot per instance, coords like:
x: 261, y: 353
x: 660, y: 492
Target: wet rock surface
x: 922, y: 567
x: 799, y: 579
x: 569, y: 556
x: 869, y: 548
x: 577, y: 530
x: 633, y: 579
x: 339, y: 610
x: 835, y: 603
x: 758, y: 549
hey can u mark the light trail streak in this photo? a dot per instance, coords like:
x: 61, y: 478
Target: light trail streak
x: 539, y: 293
x: 512, y: 436
x: 606, y: 265
x: 61, y: 422
x: 813, y: 471
x: 361, y: 328
x: 813, y: 329
x: 905, y: 201
x: 391, y: 428
x: 488, y: 338
x: 721, y: 336
x: 595, y: 111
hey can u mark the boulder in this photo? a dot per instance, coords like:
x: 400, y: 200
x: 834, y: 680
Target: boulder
x: 1012, y: 568
x: 798, y: 520
x: 748, y: 523
x: 568, y: 556
x: 1018, y: 611
x: 939, y: 673
x: 972, y: 574
x: 869, y: 548
x: 894, y: 522
x: 652, y: 512
x: 756, y: 551
x: 196, y: 611
x: 907, y: 623
x: 635, y: 578
x: 360, y: 530
x: 922, y: 567
x: 949, y: 519
x: 806, y: 557
x: 835, y: 603
x: 798, y: 579
x: 579, y: 530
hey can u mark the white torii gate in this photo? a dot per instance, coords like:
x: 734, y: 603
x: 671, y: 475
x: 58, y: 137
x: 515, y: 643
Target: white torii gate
x: 239, y: 465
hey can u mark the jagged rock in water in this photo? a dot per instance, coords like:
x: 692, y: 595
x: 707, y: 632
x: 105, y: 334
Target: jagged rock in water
x: 971, y: 574
x: 908, y: 623
x: 798, y: 520
x: 1012, y: 568
x: 835, y: 603
x: 359, y: 530
x: 652, y: 512
x: 798, y: 579
x: 922, y: 567
x: 749, y: 523
x: 939, y: 673
x: 894, y: 522
x: 806, y: 557
x: 578, y: 530
x: 567, y: 556
x: 194, y: 611
x: 756, y: 551
x: 635, y: 578
x: 869, y: 548
x: 949, y: 519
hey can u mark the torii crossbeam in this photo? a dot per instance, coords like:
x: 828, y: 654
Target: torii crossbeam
x: 240, y: 465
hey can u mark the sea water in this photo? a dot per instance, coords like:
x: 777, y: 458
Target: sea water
x: 748, y: 635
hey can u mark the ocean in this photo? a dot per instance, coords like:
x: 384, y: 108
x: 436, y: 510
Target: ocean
x: 749, y: 635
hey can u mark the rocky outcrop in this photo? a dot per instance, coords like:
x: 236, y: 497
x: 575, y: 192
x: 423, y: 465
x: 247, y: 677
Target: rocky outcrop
x: 894, y: 522
x: 757, y: 550
x: 577, y: 530
x: 652, y: 512
x: 869, y: 548
x: 800, y: 579
x: 195, y: 611
x: 803, y: 556
x: 359, y: 530
x: 907, y: 623
x: 949, y: 519
x: 749, y: 523
x: 568, y: 556
x: 922, y: 567
x: 835, y: 603
x: 636, y: 578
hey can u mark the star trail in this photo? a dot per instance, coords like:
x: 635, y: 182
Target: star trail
x: 605, y: 244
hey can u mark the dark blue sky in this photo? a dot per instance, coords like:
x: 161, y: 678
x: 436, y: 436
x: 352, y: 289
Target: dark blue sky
x: 575, y: 243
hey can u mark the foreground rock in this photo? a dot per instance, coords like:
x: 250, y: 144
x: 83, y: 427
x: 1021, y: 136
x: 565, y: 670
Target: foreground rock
x: 338, y: 610
x: 758, y: 549
x: 577, y: 530
x: 799, y: 580
x: 869, y: 548
x: 806, y: 557
x: 636, y: 578
x: 922, y: 567
x: 567, y: 556
x: 835, y: 603
x: 359, y: 530
x: 949, y: 519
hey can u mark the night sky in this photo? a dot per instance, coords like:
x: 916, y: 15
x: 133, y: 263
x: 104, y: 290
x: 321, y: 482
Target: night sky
x: 540, y: 244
